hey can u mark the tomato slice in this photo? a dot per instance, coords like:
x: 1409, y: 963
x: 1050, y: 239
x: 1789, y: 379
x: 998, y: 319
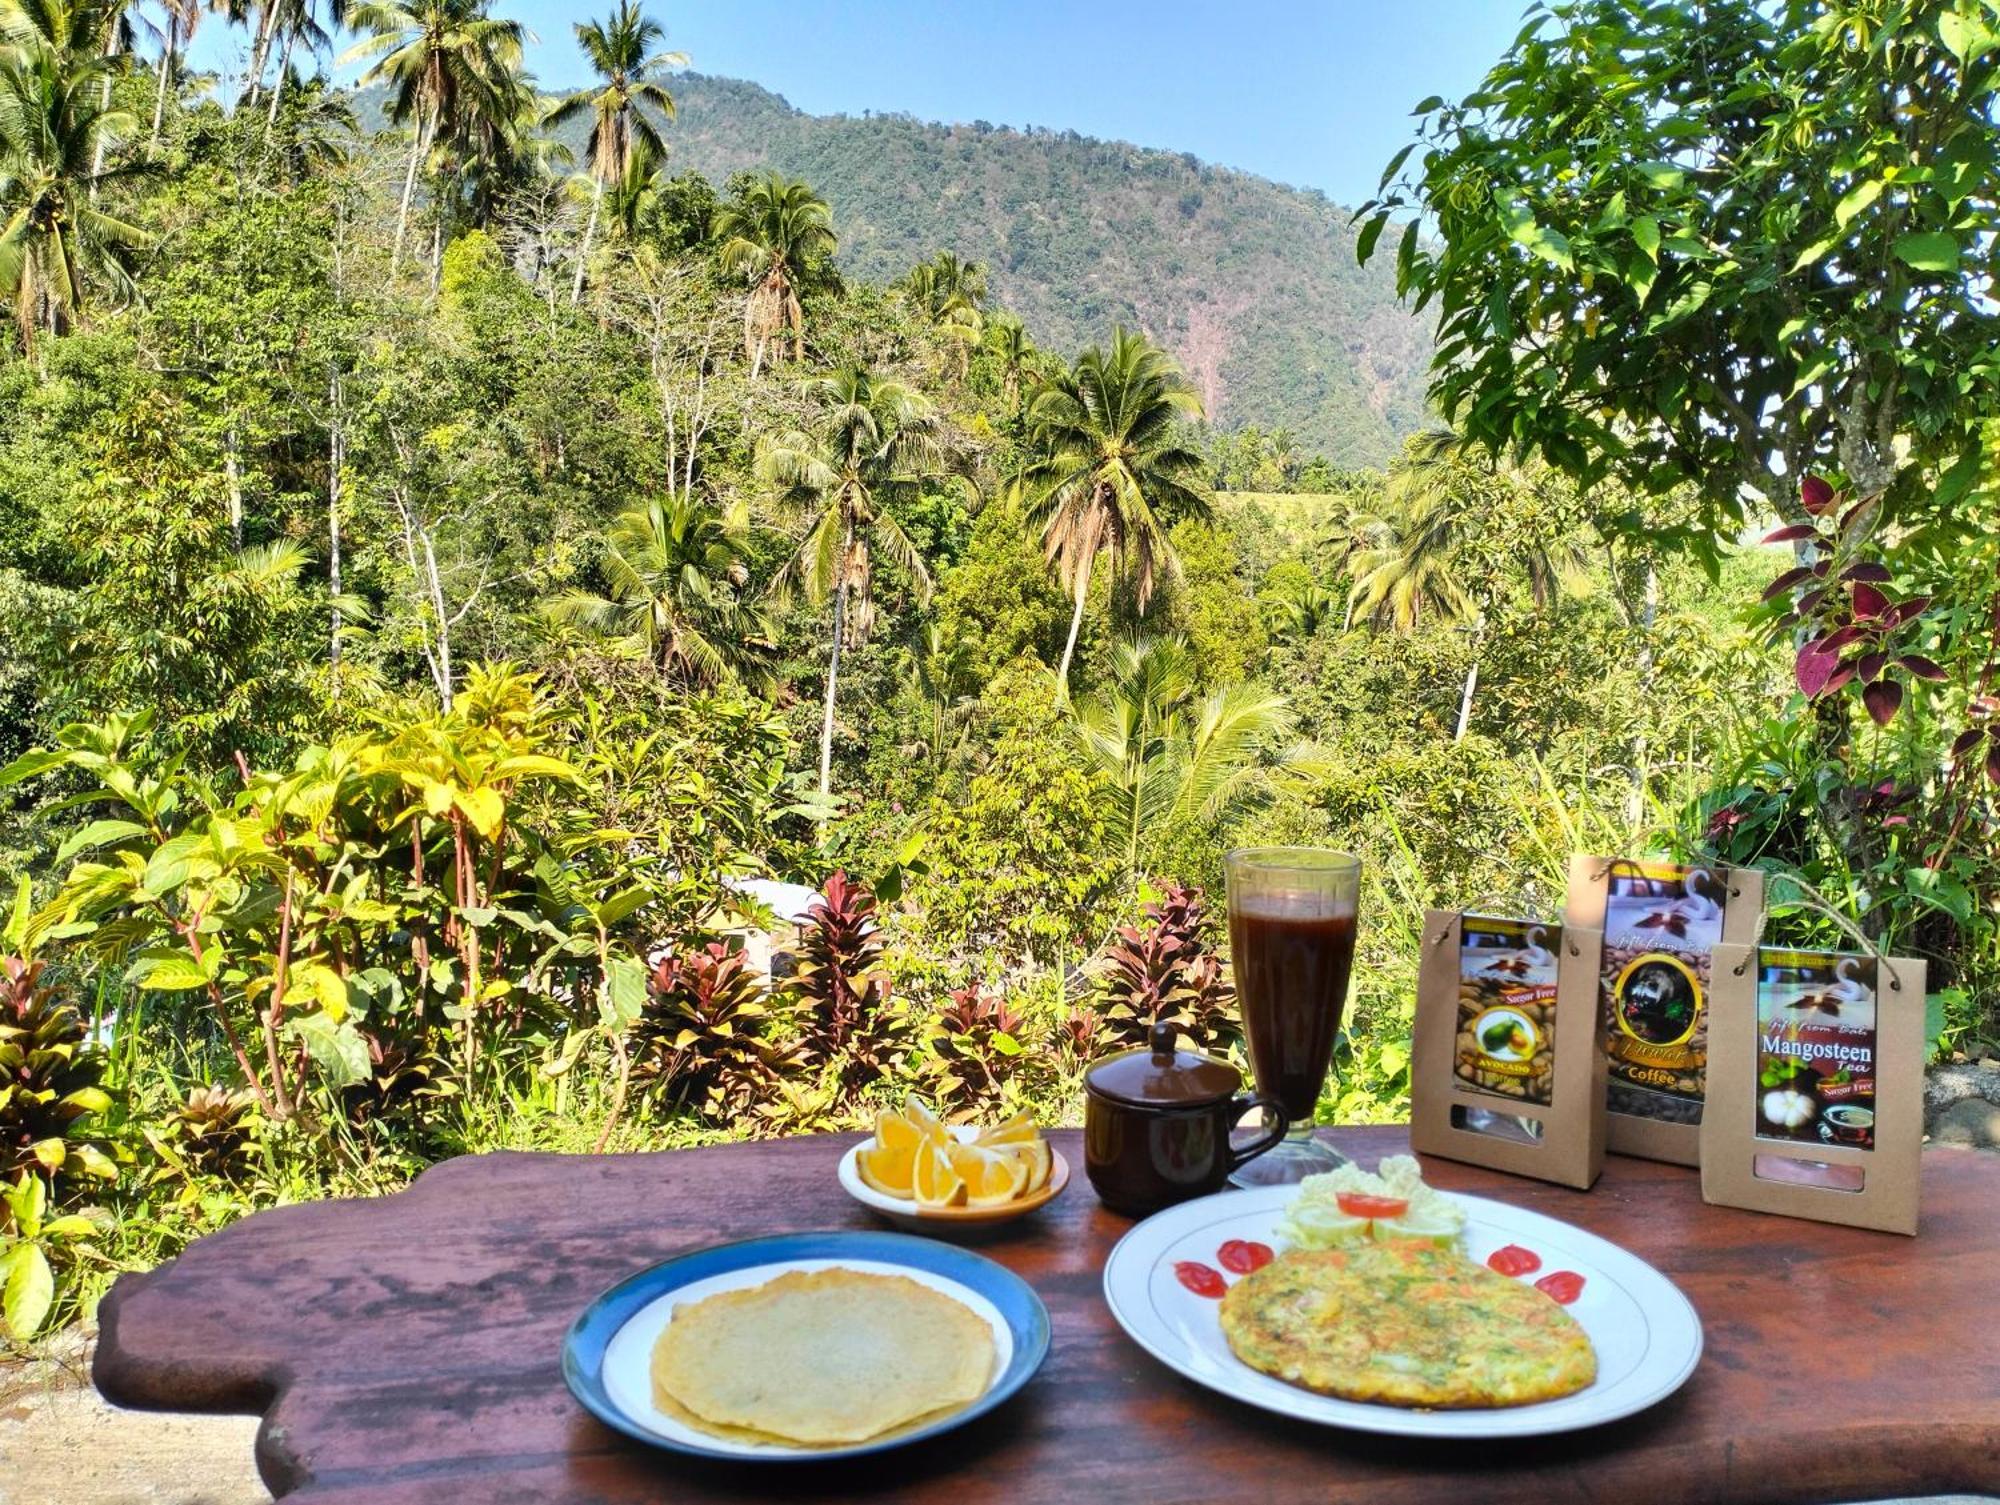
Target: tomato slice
x: 1197, y: 1277
x: 1564, y: 1286
x: 1240, y: 1256
x: 1361, y: 1204
x: 1514, y: 1260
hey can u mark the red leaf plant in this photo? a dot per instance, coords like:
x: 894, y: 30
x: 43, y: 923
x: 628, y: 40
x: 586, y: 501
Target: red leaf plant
x: 1853, y: 623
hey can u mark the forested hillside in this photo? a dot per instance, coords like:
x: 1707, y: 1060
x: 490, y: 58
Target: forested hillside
x: 1253, y: 285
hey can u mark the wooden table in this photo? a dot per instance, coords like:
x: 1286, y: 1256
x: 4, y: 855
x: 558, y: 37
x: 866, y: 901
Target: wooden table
x: 405, y: 1350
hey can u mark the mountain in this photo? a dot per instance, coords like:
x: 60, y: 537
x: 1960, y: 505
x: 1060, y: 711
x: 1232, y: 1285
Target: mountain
x: 1253, y: 284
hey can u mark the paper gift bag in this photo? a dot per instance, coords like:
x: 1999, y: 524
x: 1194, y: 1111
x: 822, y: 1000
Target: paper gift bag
x: 1505, y: 1071
x: 1660, y: 922
x: 1816, y: 1087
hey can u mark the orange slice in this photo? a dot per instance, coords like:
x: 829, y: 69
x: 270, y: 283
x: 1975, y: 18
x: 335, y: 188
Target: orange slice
x: 990, y: 1178
x: 890, y: 1169
x: 1017, y: 1130
x: 936, y: 1180
x: 918, y: 1112
x: 1035, y: 1153
x: 894, y: 1131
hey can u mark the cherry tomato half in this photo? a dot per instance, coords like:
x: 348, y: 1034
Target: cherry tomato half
x: 1361, y: 1204
x: 1240, y: 1256
x: 1514, y: 1260
x: 1564, y: 1286
x: 1197, y: 1277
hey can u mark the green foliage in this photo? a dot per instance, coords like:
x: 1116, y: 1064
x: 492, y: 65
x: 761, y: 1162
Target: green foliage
x: 1078, y: 235
x: 1718, y: 246
x: 1020, y: 863
x: 34, y: 1246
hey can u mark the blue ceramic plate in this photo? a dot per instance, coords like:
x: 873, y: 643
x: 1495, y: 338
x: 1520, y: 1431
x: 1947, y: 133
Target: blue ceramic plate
x: 608, y: 1354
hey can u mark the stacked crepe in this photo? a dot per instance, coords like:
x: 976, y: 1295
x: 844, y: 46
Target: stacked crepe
x: 819, y: 1359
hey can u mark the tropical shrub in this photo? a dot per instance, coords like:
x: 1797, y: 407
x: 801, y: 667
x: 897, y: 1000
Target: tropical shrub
x: 1165, y: 969
x: 705, y: 1038
x: 51, y: 1081
x: 976, y: 1044
x: 842, y: 991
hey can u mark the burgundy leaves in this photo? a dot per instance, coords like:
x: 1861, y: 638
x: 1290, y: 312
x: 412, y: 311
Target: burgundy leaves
x: 1668, y: 920
x: 1852, y: 619
x: 1979, y: 743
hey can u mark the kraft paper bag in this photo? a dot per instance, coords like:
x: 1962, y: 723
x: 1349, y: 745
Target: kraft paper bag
x: 1816, y: 1089
x: 1660, y: 922
x: 1505, y: 1069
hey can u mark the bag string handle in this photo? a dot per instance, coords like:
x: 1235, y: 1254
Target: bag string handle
x: 1811, y: 898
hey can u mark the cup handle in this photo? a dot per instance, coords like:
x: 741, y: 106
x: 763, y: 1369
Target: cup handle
x: 1243, y: 1103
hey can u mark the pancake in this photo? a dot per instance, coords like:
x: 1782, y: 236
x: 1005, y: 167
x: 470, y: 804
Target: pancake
x: 1405, y: 1323
x: 821, y: 1358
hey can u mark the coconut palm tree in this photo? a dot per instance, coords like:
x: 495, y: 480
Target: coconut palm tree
x: 1107, y: 463
x: 293, y: 21
x: 1166, y: 757
x: 938, y: 671
x: 877, y: 446
x: 621, y: 50
x: 1449, y: 524
x: 674, y: 577
x: 775, y: 235
x: 495, y: 148
x: 446, y: 62
x: 53, y: 238
x: 950, y: 293
x: 1007, y: 337
x: 182, y: 17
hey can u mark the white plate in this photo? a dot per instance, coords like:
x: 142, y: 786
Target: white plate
x: 906, y: 1214
x: 1646, y: 1333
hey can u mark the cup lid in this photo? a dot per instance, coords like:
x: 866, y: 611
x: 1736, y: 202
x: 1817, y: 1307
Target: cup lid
x: 1159, y: 1074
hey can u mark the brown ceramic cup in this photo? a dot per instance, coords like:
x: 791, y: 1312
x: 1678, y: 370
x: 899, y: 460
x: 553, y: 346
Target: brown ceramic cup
x: 1157, y: 1121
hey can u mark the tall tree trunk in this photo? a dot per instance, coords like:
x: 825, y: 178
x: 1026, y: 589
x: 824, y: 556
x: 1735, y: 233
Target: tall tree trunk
x: 258, y: 52
x: 278, y: 84
x: 1075, y: 622
x: 1635, y: 800
x: 418, y: 146
x: 833, y: 668
x: 97, y: 152
x: 233, y: 472
x: 1471, y: 684
x: 166, y: 73
x: 336, y: 464
x: 589, y: 234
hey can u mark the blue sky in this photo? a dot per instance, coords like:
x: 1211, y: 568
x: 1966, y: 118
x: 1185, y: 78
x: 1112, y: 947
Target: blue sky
x: 1316, y: 94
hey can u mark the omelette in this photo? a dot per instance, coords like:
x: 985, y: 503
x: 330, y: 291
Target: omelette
x: 1406, y: 1323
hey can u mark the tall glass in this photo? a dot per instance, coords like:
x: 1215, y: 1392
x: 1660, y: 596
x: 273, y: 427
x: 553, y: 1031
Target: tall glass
x: 1291, y: 941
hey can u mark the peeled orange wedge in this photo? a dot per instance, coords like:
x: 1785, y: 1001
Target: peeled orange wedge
x: 990, y: 1178
x: 915, y: 1158
x: 1019, y: 1129
x: 937, y: 1182
x: 890, y: 1169
x: 1034, y: 1154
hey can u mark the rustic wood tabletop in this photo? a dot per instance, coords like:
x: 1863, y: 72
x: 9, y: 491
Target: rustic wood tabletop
x: 406, y: 1349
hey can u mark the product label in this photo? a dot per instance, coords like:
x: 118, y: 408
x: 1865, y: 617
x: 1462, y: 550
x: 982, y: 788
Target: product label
x: 1507, y: 1006
x: 1660, y: 920
x: 1816, y: 1047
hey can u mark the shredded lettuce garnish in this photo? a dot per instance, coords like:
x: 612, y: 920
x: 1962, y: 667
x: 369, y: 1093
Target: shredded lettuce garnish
x: 1315, y: 1221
